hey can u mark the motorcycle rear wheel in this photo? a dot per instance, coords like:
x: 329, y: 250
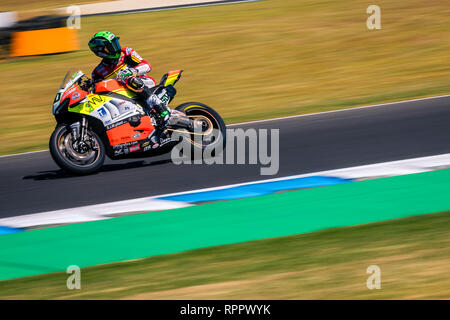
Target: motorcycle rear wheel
x: 66, y: 156
x: 211, y: 120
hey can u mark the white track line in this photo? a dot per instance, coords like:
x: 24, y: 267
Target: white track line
x: 91, y: 213
x: 293, y: 117
x: 177, y: 7
x: 21, y: 154
x: 341, y: 110
x: 108, y: 210
x: 382, y: 169
x: 121, y: 7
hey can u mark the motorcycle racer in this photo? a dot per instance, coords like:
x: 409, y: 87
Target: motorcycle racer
x: 128, y: 67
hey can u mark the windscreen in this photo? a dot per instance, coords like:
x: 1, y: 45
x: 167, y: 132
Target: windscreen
x: 70, y: 78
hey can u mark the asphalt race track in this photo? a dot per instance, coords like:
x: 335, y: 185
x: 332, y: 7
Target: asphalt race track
x: 33, y: 183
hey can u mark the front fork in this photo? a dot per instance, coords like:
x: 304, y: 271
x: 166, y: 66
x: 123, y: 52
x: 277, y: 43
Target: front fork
x: 79, y: 135
x: 83, y: 129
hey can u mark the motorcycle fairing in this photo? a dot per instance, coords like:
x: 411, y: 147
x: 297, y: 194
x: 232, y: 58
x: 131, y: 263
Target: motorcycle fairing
x: 115, y: 86
x: 126, y: 133
x: 112, y: 85
x: 91, y: 103
x: 74, y: 94
x: 108, y: 109
x: 169, y: 79
x: 87, y: 103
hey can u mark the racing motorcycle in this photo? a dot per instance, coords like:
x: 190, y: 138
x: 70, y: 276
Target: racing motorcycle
x: 105, y: 118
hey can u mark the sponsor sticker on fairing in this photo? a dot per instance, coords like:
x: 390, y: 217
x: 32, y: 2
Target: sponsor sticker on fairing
x: 76, y: 96
x: 127, y: 144
x: 102, y: 112
x: 165, y: 141
x: 134, y: 148
x: 114, y: 125
x: 118, y: 152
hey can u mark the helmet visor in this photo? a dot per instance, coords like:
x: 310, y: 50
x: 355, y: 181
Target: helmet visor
x: 98, y: 47
x: 116, y: 45
x: 105, y: 48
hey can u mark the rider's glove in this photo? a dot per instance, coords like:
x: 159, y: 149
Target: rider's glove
x: 154, y: 100
x: 122, y: 75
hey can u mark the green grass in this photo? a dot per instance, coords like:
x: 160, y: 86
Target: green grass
x: 413, y: 254
x: 252, y: 61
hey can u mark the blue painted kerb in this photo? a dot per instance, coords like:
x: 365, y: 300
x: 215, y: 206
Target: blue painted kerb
x: 8, y: 230
x: 257, y: 189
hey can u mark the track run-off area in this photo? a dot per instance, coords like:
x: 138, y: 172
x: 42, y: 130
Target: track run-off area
x: 31, y: 183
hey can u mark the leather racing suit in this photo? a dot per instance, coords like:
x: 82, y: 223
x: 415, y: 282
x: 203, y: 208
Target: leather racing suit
x: 139, y: 82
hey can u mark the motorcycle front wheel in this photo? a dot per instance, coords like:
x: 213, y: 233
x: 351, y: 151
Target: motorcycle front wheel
x: 71, y: 157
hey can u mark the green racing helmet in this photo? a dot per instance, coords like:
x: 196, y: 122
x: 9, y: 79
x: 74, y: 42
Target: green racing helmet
x: 105, y: 44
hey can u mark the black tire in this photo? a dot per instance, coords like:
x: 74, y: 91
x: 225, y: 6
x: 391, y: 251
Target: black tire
x: 193, y: 109
x: 62, y: 158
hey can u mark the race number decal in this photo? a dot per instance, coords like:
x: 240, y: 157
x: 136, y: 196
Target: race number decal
x: 96, y: 101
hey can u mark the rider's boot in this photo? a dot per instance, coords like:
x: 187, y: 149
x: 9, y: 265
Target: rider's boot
x: 162, y: 114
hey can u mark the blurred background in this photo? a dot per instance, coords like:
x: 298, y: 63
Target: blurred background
x: 249, y: 61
